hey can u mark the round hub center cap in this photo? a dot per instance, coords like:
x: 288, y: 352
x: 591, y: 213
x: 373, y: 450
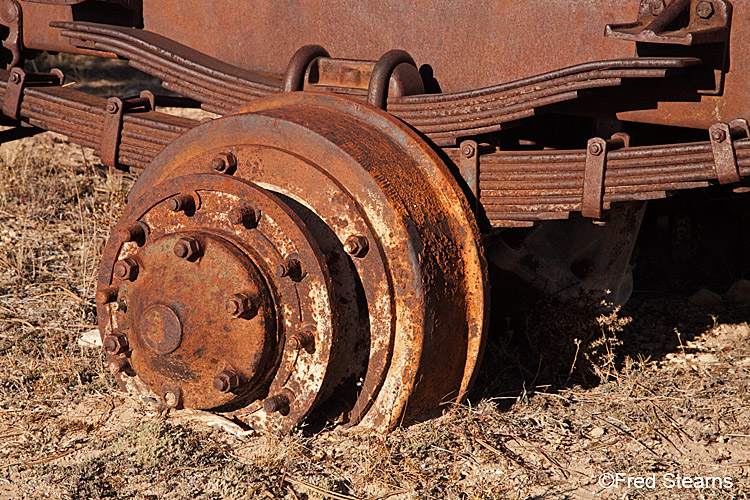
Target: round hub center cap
x: 161, y: 329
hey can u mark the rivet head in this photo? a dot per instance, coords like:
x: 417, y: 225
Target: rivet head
x: 224, y: 162
x: 243, y: 215
x: 705, y: 10
x: 291, y: 268
x: 356, y: 245
x: 300, y: 340
x: 595, y: 148
x: 116, y: 343
x: 126, y: 269
x: 278, y: 402
x: 227, y: 380
x: 187, y: 248
x: 718, y: 135
x: 241, y: 305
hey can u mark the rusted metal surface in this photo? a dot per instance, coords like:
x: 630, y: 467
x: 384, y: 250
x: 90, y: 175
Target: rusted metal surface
x: 11, y: 17
x: 366, y: 291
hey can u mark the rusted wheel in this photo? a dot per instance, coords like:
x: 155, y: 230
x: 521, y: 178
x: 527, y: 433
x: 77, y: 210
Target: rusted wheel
x: 308, y: 251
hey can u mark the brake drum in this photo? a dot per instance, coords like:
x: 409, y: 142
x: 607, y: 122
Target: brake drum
x: 305, y: 252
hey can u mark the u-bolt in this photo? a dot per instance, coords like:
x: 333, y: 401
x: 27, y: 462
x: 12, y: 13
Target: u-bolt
x: 377, y: 91
x: 294, y: 76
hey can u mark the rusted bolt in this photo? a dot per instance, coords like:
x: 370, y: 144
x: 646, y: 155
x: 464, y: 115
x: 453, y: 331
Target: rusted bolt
x: 187, y: 248
x: 705, y: 10
x: 116, y: 343
x: 118, y: 365
x: 292, y: 268
x: 126, y: 269
x: 15, y: 78
x: 241, y: 305
x: 227, y: 380
x: 224, y: 162
x: 468, y: 150
x: 356, y: 245
x: 656, y: 7
x: 112, y: 107
x: 275, y: 403
x: 106, y: 295
x: 245, y: 215
x: 596, y: 149
x: 172, y: 398
x: 134, y: 232
x: 300, y: 340
x: 180, y: 202
x: 718, y: 135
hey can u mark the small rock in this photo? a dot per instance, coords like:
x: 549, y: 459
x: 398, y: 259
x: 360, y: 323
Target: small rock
x: 596, y: 432
x: 739, y: 292
x: 90, y: 338
x: 706, y: 358
x: 704, y: 297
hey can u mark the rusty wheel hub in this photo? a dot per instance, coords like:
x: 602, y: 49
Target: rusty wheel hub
x: 330, y: 262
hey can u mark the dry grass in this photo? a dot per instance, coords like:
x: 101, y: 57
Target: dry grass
x: 657, y: 403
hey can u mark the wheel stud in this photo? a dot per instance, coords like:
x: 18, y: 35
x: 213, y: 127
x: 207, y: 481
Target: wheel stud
x: 106, y: 295
x: 126, y: 269
x: 291, y: 268
x: 279, y: 402
x: 180, y: 203
x: 187, y: 248
x: 116, y: 343
x: 241, y: 305
x: 118, y: 365
x: 243, y: 215
x: 134, y: 232
x: 356, y: 245
x: 300, y: 340
x: 227, y: 380
x: 224, y: 162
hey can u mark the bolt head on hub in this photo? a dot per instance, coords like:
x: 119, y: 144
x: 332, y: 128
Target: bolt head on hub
x: 187, y: 248
x: 224, y: 162
x: 291, y: 268
x: 134, y: 232
x: 180, y: 203
x: 227, y: 380
x: 705, y: 10
x: 278, y: 402
x: 356, y: 245
x: 126, y: 269
x: 241, y: 305
x: 106, y: 295
x: 116, y: 343
x: 243, y: 215
x: 300, y: 340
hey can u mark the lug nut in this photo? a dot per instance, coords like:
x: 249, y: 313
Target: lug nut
x: 279, y: 402
x: 292, y: 268
x: 300, y: 340
x: 180, y: 203
x: 718, y: 135
x: 227, y: 380
x: 595, y: 149
x: 134, y: 232
x: 117, y: 343
x: 224, y: 162
x: 244, y: 215
x: 106, y: 295
x: 187, y: 248
x: 241, y: 305
x: 356, y: 245
x: 705, y: 10
x: 126, y: 269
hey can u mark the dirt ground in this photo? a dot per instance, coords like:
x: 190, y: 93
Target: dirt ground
x: 661, y: 412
